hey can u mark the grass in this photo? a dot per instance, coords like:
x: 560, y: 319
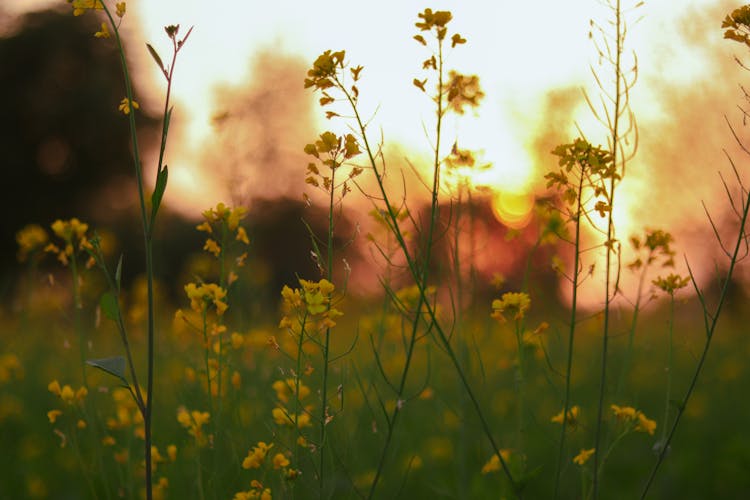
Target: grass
x: 440, y: 386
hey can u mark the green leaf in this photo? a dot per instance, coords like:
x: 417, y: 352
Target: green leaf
x: 109, y: 306
x: 114, y: 365
x: 118, y: 273
x: 165, y: 132
x: 156, y: 57
x: 156, y: 196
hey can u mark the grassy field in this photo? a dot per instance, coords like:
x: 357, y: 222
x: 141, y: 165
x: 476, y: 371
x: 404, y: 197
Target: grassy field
x: 448, y: 382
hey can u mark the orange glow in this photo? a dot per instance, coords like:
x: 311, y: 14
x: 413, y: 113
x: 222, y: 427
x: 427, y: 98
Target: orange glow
x: 513, y: 209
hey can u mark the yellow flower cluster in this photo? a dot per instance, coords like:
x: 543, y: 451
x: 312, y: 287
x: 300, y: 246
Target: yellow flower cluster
x: 127, y: 105
x: 584, y: 456
x: 220, y: 221
x: 493, y: 465
x: 203, y: 295
x: 30, y: 239
x: 312, y: 299
x: 256, y: 492
x: 194, y: 421
x: 630, y: 415
x: 73, y: 234
x: 285, y: 389
x: 66, y: 392
x: 81, y: 6
x: 671, y: 283
x: 127, y: 414
x: 572, y: 417
x: 256, y: 456
x: 511, y: 303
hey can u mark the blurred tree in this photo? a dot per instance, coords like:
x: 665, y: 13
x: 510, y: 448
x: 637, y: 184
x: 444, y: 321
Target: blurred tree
x: 65, y: 147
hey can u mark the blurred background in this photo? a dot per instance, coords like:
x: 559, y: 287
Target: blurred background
x: 242, y: 118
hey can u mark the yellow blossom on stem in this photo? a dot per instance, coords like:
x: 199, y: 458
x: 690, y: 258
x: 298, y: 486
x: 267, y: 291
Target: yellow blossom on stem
x: 212, y: 247
x: 572, y: 419
x: 30, y: 239
x: 103, y: 32
x: 515, y: 304
x: 256, y: 456
x: 280, y: 461
x: 127, y: 105
x: 493, y: 465
x: 120, y: 9
x: 194, y: 421
x: 81, y: 6
x: 52, y: 415
x: 583, y: 456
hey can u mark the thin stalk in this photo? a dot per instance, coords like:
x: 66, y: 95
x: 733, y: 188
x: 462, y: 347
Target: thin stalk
x: 415, y: 272
x: 326, y: 344
x: 711, y: 328
x: 610, y: 245
x: 421, y: 275
x: 571, y: 335
x: 668, y: 395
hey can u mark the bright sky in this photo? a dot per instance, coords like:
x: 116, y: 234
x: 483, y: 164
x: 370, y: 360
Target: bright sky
x: 520, y: 50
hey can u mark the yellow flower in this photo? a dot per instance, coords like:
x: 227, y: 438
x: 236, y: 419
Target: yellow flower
x: 103, y: 33
x: 212, y: 247
x: 30, y: 239
x: 493, y: 464
x: 126, y: 106
x: 120, y: 9
x: 81, y: 6
x: 193, y: 421
x: 645, y: 424
x: 52, y: 415
x: 54, y: 387
x: 572, y: 419
x: 280, y: 461
x: 108, y: 441
x: 514, y: 303
x: 256, y: 456
x: 81, y: 424
x: 242, y: 236
x: 624, y: 412
x: 172, y: 452
x: 583, y: 456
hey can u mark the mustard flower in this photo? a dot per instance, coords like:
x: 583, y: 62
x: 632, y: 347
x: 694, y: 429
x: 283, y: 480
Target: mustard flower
x: 30, y: 239
x: 280, y: 461
x: 81, y: 6
x: 103, y: 32
x: 127, y: 105
x: 194, y: 421
x: 212, y: 247
x: 52, y: 415
x: 584, y: 456
x: 205, y: 294
x: 493, y: 464
x: 512, y: 303
x: 120, y: 9
x: 671, y: 283
x: 285, y: 389
x: 256, y: 456
x: 572, y: 417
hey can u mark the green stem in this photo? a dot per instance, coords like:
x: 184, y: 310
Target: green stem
x: 610, y: 245
x: 571, y: 334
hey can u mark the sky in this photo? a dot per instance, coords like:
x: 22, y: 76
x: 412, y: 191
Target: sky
x: 534, y: 60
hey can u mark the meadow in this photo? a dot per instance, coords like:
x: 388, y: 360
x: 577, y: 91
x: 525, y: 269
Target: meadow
x: 448, y: 381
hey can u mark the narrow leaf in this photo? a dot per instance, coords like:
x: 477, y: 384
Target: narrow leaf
x: 156, y: 57
x: 118, y: 273
x: 165, y: 130
x: 156, y: 196
x: 109, y: 306
x: 114, y: 365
